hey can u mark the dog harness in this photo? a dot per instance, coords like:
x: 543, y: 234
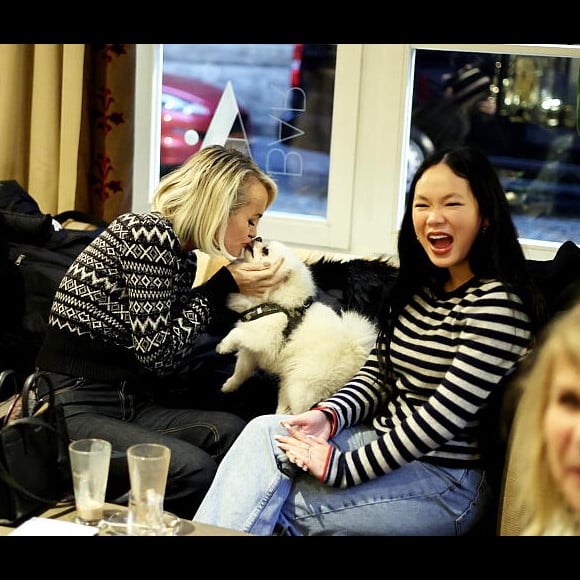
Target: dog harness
x: 295, y: 315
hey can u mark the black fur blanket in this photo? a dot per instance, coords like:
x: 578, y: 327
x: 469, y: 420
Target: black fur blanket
x: 357, y: 284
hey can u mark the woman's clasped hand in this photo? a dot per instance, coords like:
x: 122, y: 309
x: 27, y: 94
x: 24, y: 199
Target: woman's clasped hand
x: 306, y: 444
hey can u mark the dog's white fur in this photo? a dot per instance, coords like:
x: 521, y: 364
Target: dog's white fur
x: 321, y: 353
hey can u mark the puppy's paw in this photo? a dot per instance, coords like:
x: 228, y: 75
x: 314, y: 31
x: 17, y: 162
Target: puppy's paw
x: 225, y: 346
x: 230, y: 386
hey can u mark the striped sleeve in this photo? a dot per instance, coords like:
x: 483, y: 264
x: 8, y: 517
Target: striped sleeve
x: 448, y: 355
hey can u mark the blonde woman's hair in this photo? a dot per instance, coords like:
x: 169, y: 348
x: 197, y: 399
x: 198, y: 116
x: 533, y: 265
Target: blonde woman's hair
x: 539, y: 493
x: 199, y: 196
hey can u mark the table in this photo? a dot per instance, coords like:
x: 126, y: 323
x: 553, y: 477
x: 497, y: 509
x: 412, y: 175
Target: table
x: 68, y: 513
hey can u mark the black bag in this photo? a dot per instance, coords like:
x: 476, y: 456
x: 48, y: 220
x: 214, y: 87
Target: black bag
x: 34, y: 464
x: 34, y: 257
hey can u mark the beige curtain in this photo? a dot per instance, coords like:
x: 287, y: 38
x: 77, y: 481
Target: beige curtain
x: 66, y: 120
x: 40, y: 114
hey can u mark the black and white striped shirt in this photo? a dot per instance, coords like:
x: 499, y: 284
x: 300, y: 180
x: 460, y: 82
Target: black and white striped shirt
x: 448, y: 353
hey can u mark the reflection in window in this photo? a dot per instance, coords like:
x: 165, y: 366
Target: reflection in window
x: 521, y: 111
x: 278, y: 102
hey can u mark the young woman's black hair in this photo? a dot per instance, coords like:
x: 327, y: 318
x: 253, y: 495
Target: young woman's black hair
x: 496, y: 252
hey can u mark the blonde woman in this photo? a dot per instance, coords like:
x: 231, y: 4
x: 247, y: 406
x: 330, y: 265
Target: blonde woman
x: 126, y: 318
x: 548, y: 436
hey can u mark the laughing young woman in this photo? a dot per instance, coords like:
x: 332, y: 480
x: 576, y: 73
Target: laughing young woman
x: 397, y: 450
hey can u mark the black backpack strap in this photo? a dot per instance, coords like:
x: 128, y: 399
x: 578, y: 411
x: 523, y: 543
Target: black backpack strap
x: 10, y: 395
x: 30, y: 392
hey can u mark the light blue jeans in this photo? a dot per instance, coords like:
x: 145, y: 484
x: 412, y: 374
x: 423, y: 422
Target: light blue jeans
x: 256, y: 487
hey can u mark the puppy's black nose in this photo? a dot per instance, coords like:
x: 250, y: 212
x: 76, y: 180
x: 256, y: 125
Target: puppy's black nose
x: 252, y: 242
x: 250, y: 246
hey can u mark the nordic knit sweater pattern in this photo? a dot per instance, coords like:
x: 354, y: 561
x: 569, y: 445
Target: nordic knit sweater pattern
x: 448, y: 354
x: 127, y: 305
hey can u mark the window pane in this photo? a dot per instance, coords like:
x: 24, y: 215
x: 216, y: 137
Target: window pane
x: 276, y: 101
x: 521, y: 111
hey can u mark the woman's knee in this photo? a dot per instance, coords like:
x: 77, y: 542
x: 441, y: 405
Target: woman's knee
x: 190, y: 472
x: 230, y: 426
x: 265, y: 424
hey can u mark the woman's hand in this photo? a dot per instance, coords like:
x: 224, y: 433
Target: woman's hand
x: 306, y: 444
x: 313, y: 422
x: 257, y: 279
x: 306, y: 451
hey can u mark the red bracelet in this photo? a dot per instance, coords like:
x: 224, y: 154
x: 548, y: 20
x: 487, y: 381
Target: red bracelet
x: 332, y: 418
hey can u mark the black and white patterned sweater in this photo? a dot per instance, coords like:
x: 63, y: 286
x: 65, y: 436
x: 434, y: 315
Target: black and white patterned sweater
x: 127, y: 308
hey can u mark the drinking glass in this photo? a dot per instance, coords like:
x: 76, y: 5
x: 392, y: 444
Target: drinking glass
x: 89, y: 459
x: 148, y: 469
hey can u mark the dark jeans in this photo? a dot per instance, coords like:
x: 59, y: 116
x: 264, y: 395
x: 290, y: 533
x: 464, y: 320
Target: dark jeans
x: 123, y: 415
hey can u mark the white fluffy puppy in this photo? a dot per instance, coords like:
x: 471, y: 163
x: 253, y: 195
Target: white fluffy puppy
x: 312, y: 349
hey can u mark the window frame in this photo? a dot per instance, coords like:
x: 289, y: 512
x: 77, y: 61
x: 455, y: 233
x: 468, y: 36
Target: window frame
x: 368, y: 151
x: 332, y: 232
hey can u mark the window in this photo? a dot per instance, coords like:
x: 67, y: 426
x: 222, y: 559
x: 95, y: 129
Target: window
x: 520, y: 109
x: 285, y: 99
x: 275, y: 102
x: 370, y: 147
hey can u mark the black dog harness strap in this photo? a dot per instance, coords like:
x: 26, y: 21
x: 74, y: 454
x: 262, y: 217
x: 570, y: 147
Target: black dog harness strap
x: 294, y: 315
